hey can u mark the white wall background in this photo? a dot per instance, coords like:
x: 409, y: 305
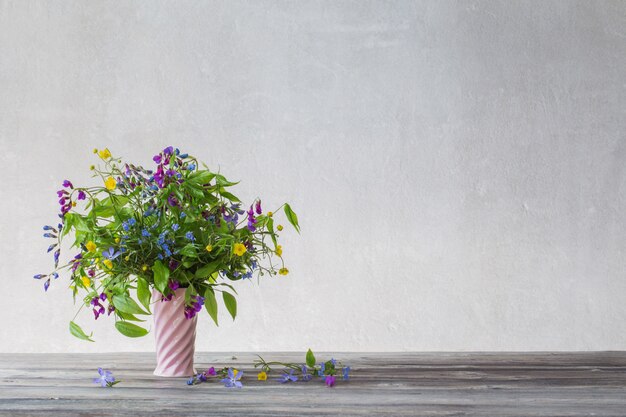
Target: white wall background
x: 458, y: 167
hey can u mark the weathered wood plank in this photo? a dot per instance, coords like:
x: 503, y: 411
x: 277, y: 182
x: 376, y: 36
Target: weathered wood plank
x: 386, y: 384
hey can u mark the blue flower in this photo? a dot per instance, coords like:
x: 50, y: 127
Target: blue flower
x: 305, y: 373
x: 105, y: 379
x: 182, y: 215
x: 286, y: 377
x: 175, y: 227
x: 191, y: 167
x: 132, y: 221
x: 321, y: 371
x: 111, y: 254
x: 190, y: 236
x: 346, y: 373
x: 333, y: 362
x: 232, y: 381
x: 39, y: 276
x: 145, y: 233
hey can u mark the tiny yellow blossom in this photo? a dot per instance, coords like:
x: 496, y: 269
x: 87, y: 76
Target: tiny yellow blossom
x: 95, y: 150
x: 283, y: 271
x: 117, y: 240
x: 144, y: 267
x: 279, y: 250
x: 73, y: 203
x: 108, y: 263
x: 209, y: 248
x: 86, y: 281
x: 91, y: 247
x: 110, y: 183
x: 279, y: 227
x: 261, y: 376
x: 239, y: 249
x: 269, y: 214
x: 92, y: 167
x: 127, y: 258
x: 105, y: 153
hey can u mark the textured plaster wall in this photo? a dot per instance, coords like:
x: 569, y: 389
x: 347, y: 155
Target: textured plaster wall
x: 458, y: 167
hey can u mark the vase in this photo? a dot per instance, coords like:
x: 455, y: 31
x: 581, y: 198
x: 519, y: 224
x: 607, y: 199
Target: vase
x: 175, y: 336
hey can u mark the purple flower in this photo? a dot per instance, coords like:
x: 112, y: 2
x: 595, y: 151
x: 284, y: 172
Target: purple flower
x: 172, y: 200
x: 105, y: 379
x: 54, y: 245
x: 46, y: 284
x: 171, y: 173
x: 305, y: 373
x: 251, y: 220
x: 346, y: 373
x: 111, y: 254
x: 286, y: 377
x: 232, y: 381
x: 81, y: 195
x: 67, y: 184
x: 157, y: 159
x: 211, y: 371
x: 61, y: 193
x: 39, y: 276
x: 258, y: 207
x: 91, y: 273
x: 330, y: 380
x: 174, y: 285
x: 169, y: 150
x: 103, y: 296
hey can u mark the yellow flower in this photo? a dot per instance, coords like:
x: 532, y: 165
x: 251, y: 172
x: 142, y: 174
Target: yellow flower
x: 105, y: 153
x: 86, y: 281
x: 117, y: 240
x: 95, y: 150
x: 73, y: 203
x: 209, y: 248
x: 269, y: 214
x: 279, y: 250
x: 283, y: 271
x: 261, y: 376
x: 239, y: 249
x: 144, y: 267
x: 92, y: 167
x: 91, y: 247
x: 108, y: 263
x: 127, y: 258
x: 279, y: 227
x: 110, y: 183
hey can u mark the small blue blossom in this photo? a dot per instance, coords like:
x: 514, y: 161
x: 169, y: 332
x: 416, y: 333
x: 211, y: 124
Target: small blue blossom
x: 305, y: 373
x: 175, y: 227
x: 183, y: 215
x: 346, y: 373
x: 105, y: 379
x: 286, y: 377
x: 232, y: 381
x: 190, y: 236
x: 191, y: 167
x: 145, y: 233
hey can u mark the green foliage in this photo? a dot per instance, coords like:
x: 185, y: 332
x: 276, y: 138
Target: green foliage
x: 310, y: 359
x: 168, y: 226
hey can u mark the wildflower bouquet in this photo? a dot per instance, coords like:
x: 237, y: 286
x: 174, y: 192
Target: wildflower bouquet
x: 176, y: 226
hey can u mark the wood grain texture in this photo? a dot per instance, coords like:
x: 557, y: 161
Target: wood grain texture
x: 385, y: 384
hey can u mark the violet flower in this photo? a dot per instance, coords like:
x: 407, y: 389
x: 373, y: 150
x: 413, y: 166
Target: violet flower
x: 286, y: 377
x: 111, y: 254
x: 68, y: 184
x: 258, y: 207
x: 81, y: 195
x: 346, y: 373
x: 105, y: 379
x: 232, y: 381
x: 305, y: 373
x: 174, y: 285
x: 330, y: 380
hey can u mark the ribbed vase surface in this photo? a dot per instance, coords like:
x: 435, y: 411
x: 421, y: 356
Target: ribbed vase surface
x: 175, y: 336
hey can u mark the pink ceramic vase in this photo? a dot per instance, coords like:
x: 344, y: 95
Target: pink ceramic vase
x: 175, y: 336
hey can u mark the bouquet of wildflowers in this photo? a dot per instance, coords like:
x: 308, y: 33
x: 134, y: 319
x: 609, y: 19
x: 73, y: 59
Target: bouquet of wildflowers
x: 174, y: 226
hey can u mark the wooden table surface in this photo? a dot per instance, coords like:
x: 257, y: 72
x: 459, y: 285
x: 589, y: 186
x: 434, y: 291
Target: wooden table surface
x: 382, y: 384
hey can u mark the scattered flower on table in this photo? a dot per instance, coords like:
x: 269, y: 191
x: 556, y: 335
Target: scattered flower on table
x: 106, y: 378
x: 287, y: 376
x: 233, y: 380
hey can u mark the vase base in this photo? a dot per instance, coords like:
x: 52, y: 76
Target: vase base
x: 174, y: 374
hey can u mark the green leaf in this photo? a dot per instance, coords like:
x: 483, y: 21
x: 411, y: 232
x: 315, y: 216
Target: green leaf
x: 210, y: 303
x: 127, y: 316
x: 222, y: 181
x: 161, y: 275
x: 189, y: 250
x: 229, y: 196
x: 231, y: 303
x: 143, y: 293
x: 270, y: 228
x: 125, y: 304
x: 208, y: 269
x: 310, y: 359
x: 130, y: 329
x: 292, y: 217
x: 201, y: 177
x: 76, y: 331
